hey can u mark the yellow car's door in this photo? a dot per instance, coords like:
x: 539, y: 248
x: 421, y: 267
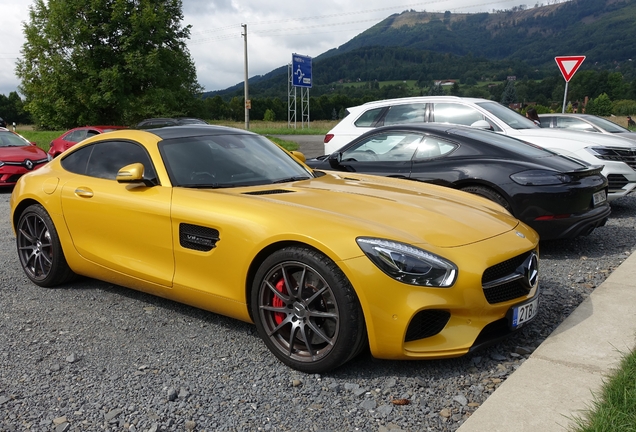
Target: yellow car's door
x: 123, y: 227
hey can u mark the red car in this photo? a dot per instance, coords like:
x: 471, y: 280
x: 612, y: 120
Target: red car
x: 72, y: 137
x: 17, y: 157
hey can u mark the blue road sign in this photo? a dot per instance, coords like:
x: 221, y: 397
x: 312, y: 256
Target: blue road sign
x: 301, y: 67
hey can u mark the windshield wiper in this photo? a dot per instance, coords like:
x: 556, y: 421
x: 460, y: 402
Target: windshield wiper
x: 291, y: 179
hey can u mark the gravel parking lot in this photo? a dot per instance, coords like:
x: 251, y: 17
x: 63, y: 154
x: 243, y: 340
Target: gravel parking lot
x: 91, y: 356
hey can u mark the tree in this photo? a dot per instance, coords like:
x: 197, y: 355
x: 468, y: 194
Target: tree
x: 602, y: 106
x: 509, y: 94
x: 106, y: 62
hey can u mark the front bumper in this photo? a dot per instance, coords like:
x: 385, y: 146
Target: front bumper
x: 462, y: 314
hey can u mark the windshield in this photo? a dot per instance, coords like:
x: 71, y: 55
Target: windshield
x: 221, y: 161
x: 508, y: 116
x: 9, y: 139
x: 606, y: 125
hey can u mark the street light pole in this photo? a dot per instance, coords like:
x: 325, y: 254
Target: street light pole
x: 247, y: 100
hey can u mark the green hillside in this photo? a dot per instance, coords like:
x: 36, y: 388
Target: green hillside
x: 424, y: 46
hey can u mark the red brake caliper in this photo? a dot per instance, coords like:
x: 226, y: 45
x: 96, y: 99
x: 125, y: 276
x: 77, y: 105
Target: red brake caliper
x: 278, y: 303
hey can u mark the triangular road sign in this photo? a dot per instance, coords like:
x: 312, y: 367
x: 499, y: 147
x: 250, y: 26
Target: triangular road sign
x: 569, y: 65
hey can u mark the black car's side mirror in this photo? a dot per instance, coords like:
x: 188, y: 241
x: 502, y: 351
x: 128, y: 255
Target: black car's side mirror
x: 335, y: 159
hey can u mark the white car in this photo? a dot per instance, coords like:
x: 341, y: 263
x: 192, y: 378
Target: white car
x: 585, y: 123
x: 616, y: 154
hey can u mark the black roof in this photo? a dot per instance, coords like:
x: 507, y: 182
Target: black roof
x: 171, y: 132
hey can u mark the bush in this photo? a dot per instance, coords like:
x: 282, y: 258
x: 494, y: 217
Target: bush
x: 624, y: 107
x: 270, y: 115
x: 601, y: 106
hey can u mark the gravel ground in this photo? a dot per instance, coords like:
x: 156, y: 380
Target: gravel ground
x: 91, y: 356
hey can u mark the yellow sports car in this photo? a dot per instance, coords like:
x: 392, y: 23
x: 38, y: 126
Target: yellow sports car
x: 323, y: 263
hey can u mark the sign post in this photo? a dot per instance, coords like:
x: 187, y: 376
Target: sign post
x: 299, y: 75
x: 568, y: 66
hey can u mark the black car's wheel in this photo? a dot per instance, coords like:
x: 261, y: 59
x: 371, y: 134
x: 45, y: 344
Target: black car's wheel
x: 489, y: 194
x: 39, y: 248
x: 306, y: 310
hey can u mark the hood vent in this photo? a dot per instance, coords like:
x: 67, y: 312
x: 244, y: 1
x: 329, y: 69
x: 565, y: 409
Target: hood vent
x: 269, y: 192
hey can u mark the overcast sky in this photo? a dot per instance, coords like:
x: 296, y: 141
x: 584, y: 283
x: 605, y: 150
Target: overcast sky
x: 275, y: 30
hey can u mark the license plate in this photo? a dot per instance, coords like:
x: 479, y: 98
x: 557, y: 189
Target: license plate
x: 599, y: 197
x: 524, y: 313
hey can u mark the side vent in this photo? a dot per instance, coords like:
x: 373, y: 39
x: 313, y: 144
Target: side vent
x: 197, y: 237
x: 268, y: 192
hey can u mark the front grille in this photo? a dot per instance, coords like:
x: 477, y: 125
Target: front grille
x: 268, y: 192
x: 503, y: 268
x: 616, y: 182
x: 506, y: 290
x: 627, y: 156
x: 426, y: 323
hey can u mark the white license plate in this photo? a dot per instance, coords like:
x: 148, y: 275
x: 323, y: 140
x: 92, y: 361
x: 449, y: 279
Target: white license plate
x: 524, y: 313
x: 599, y: 197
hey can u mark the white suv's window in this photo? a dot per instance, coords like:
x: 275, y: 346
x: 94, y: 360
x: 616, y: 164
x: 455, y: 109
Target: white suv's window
x: 408, y: 113
x: 456, y: 114
x: 369, y: 118
x: 390, y: 146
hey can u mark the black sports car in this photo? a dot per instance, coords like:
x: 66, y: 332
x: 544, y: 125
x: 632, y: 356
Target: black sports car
x: 558, y: 196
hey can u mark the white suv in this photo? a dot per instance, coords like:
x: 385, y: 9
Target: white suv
x: 616, y: 154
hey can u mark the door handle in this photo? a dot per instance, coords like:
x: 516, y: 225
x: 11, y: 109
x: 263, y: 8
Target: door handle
x: 83, y: 192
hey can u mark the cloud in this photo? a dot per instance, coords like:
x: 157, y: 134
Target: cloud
x: 275, y: 30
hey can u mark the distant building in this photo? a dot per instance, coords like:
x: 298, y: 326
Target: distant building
x: 511, y: 78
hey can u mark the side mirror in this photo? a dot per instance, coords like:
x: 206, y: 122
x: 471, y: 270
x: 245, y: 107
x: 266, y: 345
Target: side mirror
x: 298, y: 155
x: 481, y: 124
x: 335, y: 159
x: 133, y: 173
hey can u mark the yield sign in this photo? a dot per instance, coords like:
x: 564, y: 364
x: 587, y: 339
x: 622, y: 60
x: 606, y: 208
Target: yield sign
x: 569, y: 65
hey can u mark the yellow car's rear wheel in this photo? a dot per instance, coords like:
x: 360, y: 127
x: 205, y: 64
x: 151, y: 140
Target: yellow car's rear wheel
x: 39, y: 248
x: 306, y: 310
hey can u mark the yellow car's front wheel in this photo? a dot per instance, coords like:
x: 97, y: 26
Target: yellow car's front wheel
x: 306, y: 310
x: 39, y: 248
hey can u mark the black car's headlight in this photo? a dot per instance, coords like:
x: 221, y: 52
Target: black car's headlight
x: 409, y: 264
x: 540, y: 178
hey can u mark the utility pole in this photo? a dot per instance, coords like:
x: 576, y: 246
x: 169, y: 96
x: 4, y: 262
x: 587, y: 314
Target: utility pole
x: 247, y: 100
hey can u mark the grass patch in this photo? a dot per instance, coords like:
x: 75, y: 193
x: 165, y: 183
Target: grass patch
x: 41, y: 138
x: 615, y: 408
x: 287, y: 145
x: 319, y: 127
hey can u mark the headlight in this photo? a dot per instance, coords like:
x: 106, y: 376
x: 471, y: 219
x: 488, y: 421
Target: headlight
x: 540, y: 178
x: 1, y: 163
x: 409, y: 264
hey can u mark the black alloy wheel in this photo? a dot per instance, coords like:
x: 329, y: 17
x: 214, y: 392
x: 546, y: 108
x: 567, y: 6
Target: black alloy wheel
x: 39, y: 248
x: 306, y: 310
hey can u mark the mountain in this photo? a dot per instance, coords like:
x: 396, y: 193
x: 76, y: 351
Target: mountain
x: 425, y: 46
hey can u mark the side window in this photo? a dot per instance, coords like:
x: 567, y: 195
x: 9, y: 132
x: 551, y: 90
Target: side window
x: 91, y: 132
x: 456, y: 114
x: 76, y: 136
x: 431, y: 147
x: 546, y: 122
x: 407, y: 113
x: 387, y: 147
x: 369, y: 117
x: 105, y: 159
x: 574, y: 123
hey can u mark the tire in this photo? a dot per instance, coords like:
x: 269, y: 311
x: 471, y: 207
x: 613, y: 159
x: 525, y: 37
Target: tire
x: 490, y: 194
x: 314, y: 329
x: 39, y: 249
